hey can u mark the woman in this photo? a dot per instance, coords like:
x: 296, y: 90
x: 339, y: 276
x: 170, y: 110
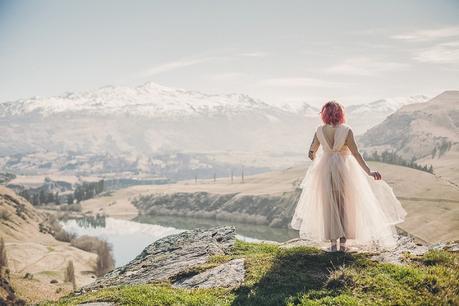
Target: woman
x: 342, y: 199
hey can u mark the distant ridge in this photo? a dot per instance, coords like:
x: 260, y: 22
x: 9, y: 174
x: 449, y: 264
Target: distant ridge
x: 428, y: 132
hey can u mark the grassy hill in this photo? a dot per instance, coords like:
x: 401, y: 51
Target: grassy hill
x: 305, y: 276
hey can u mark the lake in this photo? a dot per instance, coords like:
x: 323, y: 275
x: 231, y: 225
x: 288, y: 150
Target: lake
x: 129, y: 238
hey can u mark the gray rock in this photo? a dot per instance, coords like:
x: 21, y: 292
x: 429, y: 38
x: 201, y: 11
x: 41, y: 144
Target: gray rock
x: 405, y: 244
x: 452, y: 246
x: 169, y: 257
x: 227, y: 275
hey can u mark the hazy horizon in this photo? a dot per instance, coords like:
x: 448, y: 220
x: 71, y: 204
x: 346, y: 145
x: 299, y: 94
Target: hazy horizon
x: 354, y: 51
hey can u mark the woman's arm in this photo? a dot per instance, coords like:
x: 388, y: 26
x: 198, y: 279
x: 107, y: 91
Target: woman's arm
x: 350, y: 142
x: 314, y: 147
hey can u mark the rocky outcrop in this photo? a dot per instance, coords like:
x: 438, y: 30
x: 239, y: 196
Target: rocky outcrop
x: 227, y: 275
x: 266, y: 209
x: 175, y: 259
x: 405, y: 245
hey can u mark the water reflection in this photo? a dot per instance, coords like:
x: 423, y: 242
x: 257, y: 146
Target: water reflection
x: 129, y: 238
x: 248, y: 231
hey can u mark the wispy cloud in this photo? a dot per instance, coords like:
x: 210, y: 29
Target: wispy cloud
x: 428, y: 35
x: 175, y: 65
x: 299, y: 82
x: 186, y: 62
x: 227, y: 76
x: 364, y: 66
x: 254, y: 54
x: 443, y: 53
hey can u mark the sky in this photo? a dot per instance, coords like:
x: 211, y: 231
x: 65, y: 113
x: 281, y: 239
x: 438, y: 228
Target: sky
x: 277, y: 51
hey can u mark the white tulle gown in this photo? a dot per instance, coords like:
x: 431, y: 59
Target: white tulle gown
x: 340, y: 200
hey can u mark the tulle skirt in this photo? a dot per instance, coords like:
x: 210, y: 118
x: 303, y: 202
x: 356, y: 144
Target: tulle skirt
x: 340, y: 200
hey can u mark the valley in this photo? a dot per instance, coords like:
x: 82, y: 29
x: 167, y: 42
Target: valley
x: 151, y: 161
x: 164, y: 132
x: 269, y: 199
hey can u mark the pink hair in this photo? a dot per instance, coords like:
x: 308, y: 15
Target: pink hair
x: 333, y: 113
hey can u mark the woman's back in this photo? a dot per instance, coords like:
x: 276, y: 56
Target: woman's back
x: 334, y: 138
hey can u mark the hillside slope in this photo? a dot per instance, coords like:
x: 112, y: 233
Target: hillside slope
x: 31, y: 251
x: 429, y: 132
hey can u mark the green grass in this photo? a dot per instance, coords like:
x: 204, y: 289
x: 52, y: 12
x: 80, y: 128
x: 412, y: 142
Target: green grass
x: 307, y: 276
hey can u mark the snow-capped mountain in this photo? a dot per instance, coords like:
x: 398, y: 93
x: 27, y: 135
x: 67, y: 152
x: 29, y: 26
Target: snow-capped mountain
x: 148, y: 119
x: 304, y: 108
x: 150, y: 99
x: 389, y: 105
x: 151, y: 119
x: 364, y: 116
x: 360, y: 116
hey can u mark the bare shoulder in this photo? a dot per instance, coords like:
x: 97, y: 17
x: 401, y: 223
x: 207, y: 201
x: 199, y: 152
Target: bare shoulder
x: 349, y: 133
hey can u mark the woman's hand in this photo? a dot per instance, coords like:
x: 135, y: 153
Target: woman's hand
x: 376, y: 175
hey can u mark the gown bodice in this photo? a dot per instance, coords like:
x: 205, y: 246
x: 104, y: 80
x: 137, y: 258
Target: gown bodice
x: 339, y: 140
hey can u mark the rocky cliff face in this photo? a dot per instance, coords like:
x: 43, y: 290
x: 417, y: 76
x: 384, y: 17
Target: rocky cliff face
x: 176, y: 259
x: 270, y: 209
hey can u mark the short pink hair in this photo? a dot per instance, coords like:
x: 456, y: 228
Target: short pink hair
x: 333, y: 113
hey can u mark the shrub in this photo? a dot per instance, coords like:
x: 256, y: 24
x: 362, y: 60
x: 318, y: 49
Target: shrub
x: 87, y: 243
x: 69, y: 275
x: 105, y: 261
x: 3, y: 257
x: 64, y: 236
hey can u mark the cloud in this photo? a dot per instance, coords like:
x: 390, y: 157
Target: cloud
x: 363, y: 66
x: 194, y: 61
x: 443, y: 53
x: 254, y: 54
x: 299, y: 82
x: 227, y: 76
x: 428, y: 35
x: 175, y: 65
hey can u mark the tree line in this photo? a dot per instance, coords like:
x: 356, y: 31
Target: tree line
x: 390, y: 157
x: 82, y: 192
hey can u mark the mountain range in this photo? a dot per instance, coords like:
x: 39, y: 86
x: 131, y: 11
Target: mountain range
x: 134, y: 123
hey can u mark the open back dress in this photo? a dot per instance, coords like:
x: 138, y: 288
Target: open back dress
x: 339, y: 199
